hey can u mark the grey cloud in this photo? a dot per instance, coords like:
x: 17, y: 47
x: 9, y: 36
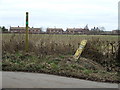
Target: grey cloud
x: 72, y: 13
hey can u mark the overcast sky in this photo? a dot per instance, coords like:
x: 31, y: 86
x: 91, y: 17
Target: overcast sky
x: 60, y: 13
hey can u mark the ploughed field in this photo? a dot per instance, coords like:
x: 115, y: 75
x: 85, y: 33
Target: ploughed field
x: 54, y: 54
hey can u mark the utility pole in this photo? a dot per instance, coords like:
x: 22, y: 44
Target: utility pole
x: 26, y: 41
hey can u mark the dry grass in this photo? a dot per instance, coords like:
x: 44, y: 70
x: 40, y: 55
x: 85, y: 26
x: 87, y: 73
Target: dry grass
x: 100, y: 49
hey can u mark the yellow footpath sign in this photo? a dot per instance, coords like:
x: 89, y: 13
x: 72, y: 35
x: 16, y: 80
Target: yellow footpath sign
x: 80, y: 49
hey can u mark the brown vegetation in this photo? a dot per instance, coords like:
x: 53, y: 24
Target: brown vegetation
x: 101, y: 53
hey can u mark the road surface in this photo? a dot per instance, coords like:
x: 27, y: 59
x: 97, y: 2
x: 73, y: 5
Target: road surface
x: 36, y: 80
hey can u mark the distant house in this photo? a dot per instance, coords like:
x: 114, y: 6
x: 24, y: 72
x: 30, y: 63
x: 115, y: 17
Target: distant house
x: 95, y: 29
x: 35, y: 30
x: 77, y: 31
x: 23, y: 29
x: 54, y: 31
x: 17, y: 29
x: 115, y: 31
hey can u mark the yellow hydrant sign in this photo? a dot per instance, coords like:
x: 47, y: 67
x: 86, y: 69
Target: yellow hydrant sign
x: 80, y: 49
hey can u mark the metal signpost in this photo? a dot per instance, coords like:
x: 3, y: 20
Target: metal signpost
x: 26, y: 43
x: 80, y: 49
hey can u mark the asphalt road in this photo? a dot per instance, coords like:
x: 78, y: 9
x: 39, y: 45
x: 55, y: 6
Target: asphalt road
x: 35, y: 80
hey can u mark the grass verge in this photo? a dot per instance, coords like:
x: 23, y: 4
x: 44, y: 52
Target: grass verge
x: 63, y: 65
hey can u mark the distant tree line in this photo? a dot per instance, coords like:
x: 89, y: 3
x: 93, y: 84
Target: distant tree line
x: 4, y: 29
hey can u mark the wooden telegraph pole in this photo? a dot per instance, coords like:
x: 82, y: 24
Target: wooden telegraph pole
x: 26, y: 41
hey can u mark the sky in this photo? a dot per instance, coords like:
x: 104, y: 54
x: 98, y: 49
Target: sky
x: 60, y: 13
